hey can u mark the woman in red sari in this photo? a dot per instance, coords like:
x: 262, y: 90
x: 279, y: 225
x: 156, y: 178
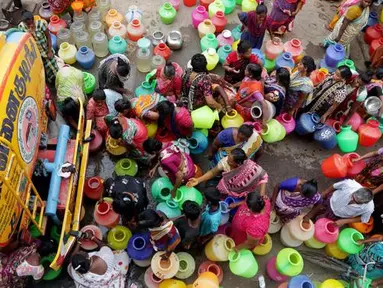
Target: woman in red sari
x: 169, y: 81
x: 251, y: 221
x: 250, y: 90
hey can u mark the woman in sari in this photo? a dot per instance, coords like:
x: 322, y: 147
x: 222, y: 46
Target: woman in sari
x: 169, y: 81
x: 276, y: 88
x: 144, y: 106
x: 237, y: 61
x: 251, y: 221
x: 240, y: 175
x: 244, y: 137
x: 163, y: 233
x: 103, y: 268
x: 350, y: 25
x: 39, y: 31
x: 301, y: 86
x: 343, y: 6
x: 113, y: 73
x: 177, y: 165
x: 292, y: 196
x: 250, y: 90
x: 175, y: 119
x: 283, y: 14
x: 254, y: 26
x: 131, y: 133
x: 197, y: 86
x: 329, y: 94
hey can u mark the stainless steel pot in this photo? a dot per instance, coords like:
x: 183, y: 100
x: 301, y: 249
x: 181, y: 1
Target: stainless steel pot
x: 174, y: 40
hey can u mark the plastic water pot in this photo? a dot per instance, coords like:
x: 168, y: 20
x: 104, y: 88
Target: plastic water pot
x: 187, y: 265
x: 336, y: 166
x: 331, y: 283
x: 369, y: 133
x: 325, y: 136
x: 288, y: 239
x: 165, y: 268
x: 151, y: 281
x: 104, y: 214
x: 314, y: 243
x: 198, y: 15
x: 139, y: 247
x: 125, y: 167
x: 206, y: 280
x: 326, y: 230
x: 274, y: 48
x: 294, y: 47
x: 265, y: 247
x: 209, y: 266
x: 275, y: 223
x: 334, y: 54
x: 347, y: 139
x: 307, y: 123
x: 289, y: 262
x: 357, y: 167
x: 204, y: 117
x: 87, y: 244
x: 161, y: 189
x: 243, y: 263
x: 218, y: 248
x: 333, y: 250
x: 94, y: 187
x: 300, y: 281
x: 285, y: 60
x: 234, y: 119
x: 273, y: 132
x: 364, y: 228
x: 172, y: 283
x: 348, y: 241
x: 198, y: 142
x: 185, y: 193
x: 118, y: 237
x: 219, y: 21
x: 287, y: 121
x: 169, y: 208
x: 300, y: 230
x: 272, y: 271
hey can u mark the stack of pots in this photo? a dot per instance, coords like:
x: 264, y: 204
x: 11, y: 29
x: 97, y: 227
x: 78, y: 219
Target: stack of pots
x: 273, y: 49
x: 294, y: 47
x: 335, y: 53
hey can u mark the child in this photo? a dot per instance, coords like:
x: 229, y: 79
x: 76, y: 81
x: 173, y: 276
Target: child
x: 211, y: 217
x: 97, y: 109
x: 188, y: 226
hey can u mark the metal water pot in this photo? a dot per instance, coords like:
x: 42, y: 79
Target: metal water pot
x: 174, y: 40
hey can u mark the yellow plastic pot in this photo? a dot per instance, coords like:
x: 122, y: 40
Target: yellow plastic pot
x: 314, y: 243
x: 264, y: 247
x: 332, y: 250
x: 331, y: 283
x: 206, y: 280
x: 172, y: 283
x: 219, y: 247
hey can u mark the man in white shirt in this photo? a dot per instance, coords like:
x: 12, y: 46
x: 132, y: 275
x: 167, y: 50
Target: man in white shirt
x: 346, y: 202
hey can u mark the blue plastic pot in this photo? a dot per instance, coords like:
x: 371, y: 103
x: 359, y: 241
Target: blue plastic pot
x: 307, y: 123
x: 300, y: 281
x: 285, y: 60
x: 139, y: 246
x: 325, y: 136
x: 334, y: 54
x: 198, y: 142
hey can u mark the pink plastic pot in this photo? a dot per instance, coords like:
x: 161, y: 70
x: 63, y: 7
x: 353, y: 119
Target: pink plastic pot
x: 334, y: 124
x: 104, y: 214
x: 272, y: 271
x: 326, y: 231
x: 210, y: 266
x: 287, y: 121
x: 357, y: 167
x: 294, y: 46
x: 355, y: 121
x: 198, y: 15
x: 87, y: 244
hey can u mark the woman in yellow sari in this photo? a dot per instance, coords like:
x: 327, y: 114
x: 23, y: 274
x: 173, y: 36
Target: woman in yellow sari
x: 350, y: 25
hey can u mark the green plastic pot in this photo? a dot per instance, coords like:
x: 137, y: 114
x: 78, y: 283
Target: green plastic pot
x: 347, y: 62
x: 209, y: 41
x: 161, y: 189
x: 289, y: 262
x: 167, y: 13
x: 188, y: 193
x: 169, y: 208
x: 144, y: 89
x: 125, y: 167
x: 89, y: 83
x: 269, y: 65
x: 187, y: 265
x: 347, y: 139
x: 118, y: 237
x: 49, y: 274
x: 243, y: 263
x: 348, y: 241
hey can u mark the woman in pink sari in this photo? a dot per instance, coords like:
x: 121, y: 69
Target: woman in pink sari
x: 169, y: 81
x: 175, y: 119
x: 177, y: 165
x: 251, y: 222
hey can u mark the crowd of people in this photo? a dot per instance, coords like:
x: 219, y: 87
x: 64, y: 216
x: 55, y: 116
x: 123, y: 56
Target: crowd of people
x: 233, y: 152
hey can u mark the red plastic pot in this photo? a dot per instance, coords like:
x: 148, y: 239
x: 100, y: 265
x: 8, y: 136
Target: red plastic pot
x: 357, y: 167
x: 375, y: 44
x: 369, y: 133
x: 219, y: 20
x: 372, y: 33
x: 336, y: 166
x: 94, y: 187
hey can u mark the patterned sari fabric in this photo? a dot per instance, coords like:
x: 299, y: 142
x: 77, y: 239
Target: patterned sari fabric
x: 326, y: 94
x: 50, y: 65
x: 249, y: 92
x: 279, y: 21
x: 245, y: 223
x: 165, y: 237
x: 278, y: 91
x: 298, y: 84
x: 242, y: 180
x: 358, y: 18
x: 144, y: 103
x: 372, y: 253
x: 180, y: 123
x: 9, y: 265
x: 169, y: 87
x: 195, y: 91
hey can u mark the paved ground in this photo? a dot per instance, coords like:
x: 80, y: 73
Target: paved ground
x: 294, y: 156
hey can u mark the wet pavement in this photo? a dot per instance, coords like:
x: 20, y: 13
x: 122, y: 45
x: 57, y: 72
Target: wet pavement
x: 294, y: 156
